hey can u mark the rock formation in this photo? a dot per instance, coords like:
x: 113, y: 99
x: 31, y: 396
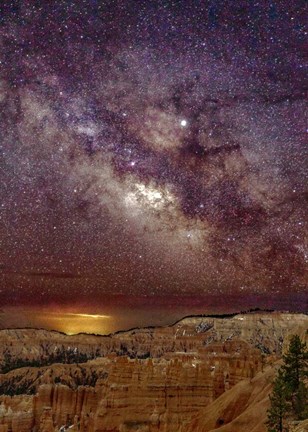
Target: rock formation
x: 265, y: 331
x: 201, y: 374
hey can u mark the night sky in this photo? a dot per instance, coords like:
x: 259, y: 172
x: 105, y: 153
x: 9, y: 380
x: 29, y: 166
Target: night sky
x: 153, y: 158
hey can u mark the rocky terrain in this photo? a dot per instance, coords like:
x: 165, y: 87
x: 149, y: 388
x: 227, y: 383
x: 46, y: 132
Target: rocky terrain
x: 201, y: 374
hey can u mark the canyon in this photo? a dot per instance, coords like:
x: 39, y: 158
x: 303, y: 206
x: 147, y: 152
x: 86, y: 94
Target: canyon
x: 201, y: 374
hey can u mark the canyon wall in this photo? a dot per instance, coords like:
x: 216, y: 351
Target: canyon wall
x: 201, y: 374
x: 265, y: 331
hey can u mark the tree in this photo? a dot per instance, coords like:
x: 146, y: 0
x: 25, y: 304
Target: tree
x: 295, y: 363
x: 279, y: 405
x: 290, y: 394
x: 300, y: 402
x: 295, y: 371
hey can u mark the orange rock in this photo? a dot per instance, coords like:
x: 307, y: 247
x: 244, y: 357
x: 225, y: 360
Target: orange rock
x: 205, y: 374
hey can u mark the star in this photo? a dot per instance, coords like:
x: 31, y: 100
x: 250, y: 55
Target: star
x: 123, y: 140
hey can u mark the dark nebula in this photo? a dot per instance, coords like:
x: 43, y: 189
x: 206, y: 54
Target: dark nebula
x: 153, y: 152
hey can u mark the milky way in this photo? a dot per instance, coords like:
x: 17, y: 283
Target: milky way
x: 152, y: 149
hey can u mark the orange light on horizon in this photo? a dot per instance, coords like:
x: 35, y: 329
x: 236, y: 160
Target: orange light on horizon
x: 64, y: 321
x: 84, y: 315
x: 73, y: 323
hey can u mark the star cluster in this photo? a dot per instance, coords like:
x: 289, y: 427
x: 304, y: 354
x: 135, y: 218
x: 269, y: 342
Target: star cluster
x: 154, y: 150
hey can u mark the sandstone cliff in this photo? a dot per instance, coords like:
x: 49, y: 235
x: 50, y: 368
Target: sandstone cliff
x: 32, y: 347
x: 202, y: 374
